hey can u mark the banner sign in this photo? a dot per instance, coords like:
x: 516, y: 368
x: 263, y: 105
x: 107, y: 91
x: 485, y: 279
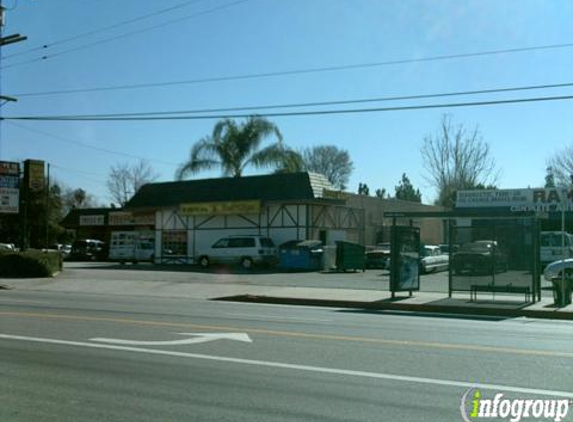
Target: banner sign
x: 92, y: 220
x: 9, y: 187
x: 518, y: 200
x: 221, y: 208
x: 124, y: 218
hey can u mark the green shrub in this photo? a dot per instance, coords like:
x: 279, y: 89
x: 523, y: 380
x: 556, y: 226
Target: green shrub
x: 32, y: 263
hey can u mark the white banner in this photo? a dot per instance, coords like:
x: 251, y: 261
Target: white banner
x: 539, y: 200
x: 9, y: 200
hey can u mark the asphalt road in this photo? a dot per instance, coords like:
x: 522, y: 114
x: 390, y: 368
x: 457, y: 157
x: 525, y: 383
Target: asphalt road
x: 72, y: 357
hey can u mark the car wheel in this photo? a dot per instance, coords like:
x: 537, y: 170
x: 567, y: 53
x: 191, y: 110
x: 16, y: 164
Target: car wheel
x: 204, y: 261
x: 247, y: 263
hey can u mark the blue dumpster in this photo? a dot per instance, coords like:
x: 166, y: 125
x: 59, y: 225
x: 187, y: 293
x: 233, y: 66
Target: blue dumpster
x: 301, y: 255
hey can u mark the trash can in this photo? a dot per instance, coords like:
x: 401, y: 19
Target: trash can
x: 349, y: 256
x: 301, y: 255
x: 560, y: 300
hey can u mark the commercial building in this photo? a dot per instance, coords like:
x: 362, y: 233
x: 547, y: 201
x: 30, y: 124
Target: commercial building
x: 191, y: 215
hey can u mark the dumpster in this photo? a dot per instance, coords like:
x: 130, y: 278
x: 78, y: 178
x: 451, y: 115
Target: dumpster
x: 560, y: 299
x: 301, y: 255
x: 349, y: 256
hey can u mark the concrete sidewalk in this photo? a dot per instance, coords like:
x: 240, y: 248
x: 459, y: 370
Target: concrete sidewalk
x: 509, y: 306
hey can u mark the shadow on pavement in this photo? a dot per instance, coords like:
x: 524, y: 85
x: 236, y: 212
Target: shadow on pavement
x: 383, y: 312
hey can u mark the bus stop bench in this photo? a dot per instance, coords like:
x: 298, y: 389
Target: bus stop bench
x: 475, y: 288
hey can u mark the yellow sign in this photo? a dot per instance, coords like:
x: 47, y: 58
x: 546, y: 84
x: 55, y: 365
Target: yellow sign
x: 35, y: 174
x: 221, y: 208
x: 335, y: 194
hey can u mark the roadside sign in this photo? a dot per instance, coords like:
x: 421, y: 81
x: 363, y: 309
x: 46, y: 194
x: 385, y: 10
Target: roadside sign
x: 9, y: 187
x: 35, y: 173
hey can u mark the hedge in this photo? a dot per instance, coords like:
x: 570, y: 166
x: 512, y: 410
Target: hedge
x: 32, y: 263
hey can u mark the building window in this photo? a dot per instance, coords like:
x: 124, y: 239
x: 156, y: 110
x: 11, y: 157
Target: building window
x: 174, y: 242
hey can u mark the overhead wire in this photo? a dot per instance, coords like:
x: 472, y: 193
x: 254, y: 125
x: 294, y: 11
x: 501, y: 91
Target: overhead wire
x: 125, y: 35
x: 103, y: 29
x: 93, y: 147
x: 301, y: 71
x: 337, y: 102
x: 71, y: 118
x: 81, y: 173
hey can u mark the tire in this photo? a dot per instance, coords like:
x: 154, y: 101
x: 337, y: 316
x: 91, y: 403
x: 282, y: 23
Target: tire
x: 247, y: 263
x: 204, y: 261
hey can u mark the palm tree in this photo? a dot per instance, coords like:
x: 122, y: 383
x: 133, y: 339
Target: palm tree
x: 232, y: 147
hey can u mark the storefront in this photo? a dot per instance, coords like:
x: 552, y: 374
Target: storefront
x: 191, y: 215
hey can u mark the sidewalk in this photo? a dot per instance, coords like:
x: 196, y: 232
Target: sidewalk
x: 506, y: 306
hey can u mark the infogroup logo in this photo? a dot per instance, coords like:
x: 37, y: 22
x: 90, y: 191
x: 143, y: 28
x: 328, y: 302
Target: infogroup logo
x: 475, y: 407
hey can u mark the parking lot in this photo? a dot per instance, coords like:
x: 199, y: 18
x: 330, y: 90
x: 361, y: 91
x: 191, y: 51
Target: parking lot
x: 371, y: 279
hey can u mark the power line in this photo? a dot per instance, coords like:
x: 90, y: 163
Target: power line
x: 104, y: 29
x: 330, y: 103
x: 81, y: 173
x: 294, y: 113
x: 125, y: 35
x: 108, y: 151
x: 297, y: 71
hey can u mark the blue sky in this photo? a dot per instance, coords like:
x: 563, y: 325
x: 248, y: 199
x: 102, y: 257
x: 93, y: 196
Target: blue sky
x: 259, y: 36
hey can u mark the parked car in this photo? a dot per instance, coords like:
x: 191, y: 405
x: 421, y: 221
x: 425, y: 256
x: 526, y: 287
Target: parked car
x: 555, y: 246
x: 377, y: 258
x: 482, y: 256
x: 432, y: 259
x: 554, y: 269
x: 88, y: 250
x: 7, y: 247
x: 445, y: 248
x: 245, y: 250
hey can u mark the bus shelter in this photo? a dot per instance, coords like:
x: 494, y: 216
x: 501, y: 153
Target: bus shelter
x: 494, y: 251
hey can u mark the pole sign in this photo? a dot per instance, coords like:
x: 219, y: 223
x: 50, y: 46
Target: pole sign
x: 9, y: 187
x: 35, y: 173
x: 518, y: 200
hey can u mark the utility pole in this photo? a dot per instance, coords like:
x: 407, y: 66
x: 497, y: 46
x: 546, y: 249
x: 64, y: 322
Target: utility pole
x: 6, y: 40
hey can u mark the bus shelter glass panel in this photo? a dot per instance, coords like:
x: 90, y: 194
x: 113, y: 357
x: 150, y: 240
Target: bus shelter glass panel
x: 490, y: 253
x: 405, y: 259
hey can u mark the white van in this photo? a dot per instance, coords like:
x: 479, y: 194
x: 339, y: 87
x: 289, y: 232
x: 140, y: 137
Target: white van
x: 551, y: 248
x: 131, y: 246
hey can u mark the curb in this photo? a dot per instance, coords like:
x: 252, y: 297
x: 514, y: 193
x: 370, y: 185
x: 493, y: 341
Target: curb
x: 402, y: 307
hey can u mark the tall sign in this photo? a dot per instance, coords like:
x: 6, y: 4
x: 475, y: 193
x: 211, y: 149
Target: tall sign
x: 34, y: 174
x: 9, y: 187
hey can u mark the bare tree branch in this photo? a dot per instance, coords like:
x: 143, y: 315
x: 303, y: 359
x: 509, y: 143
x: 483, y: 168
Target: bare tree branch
x: 125, y: 179
x: 455, y: 159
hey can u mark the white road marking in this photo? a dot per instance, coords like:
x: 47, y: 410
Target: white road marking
x: 306, y: 368
x: 277, y: 317
x: 199, y: 338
